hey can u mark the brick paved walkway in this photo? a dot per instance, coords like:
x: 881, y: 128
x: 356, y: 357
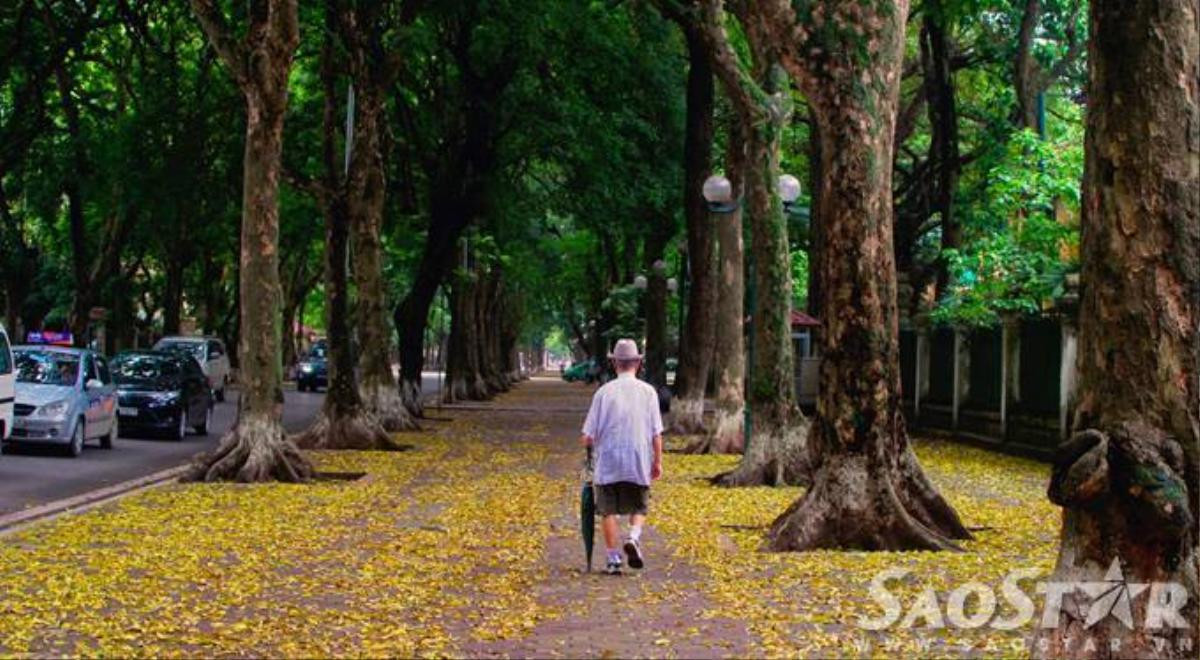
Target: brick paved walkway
x: 657, y: 612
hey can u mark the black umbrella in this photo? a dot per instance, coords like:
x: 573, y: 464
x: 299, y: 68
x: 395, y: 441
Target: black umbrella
x: 587, y: 511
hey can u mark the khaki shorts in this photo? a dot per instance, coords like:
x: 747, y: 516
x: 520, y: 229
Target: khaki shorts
x: 622, y: 498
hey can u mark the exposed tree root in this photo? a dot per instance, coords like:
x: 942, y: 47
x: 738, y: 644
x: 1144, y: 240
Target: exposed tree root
x: 360, y: 432
x: 864, y: 503
x: 255, y: 450
x: 687, y: 416
x: 384, y: 402
x: 726, y: 436
x: 775, y: 457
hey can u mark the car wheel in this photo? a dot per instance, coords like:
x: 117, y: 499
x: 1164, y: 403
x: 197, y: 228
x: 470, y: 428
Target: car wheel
x: 202, y: 429
x: 221, y: 393
x: 76, y: 447
x: 107, y: 441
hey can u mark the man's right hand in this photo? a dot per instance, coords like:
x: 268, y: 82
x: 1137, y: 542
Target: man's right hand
x: 585, y: 440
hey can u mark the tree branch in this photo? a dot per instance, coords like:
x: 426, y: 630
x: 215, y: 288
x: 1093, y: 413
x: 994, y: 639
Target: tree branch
x: 220, y: 36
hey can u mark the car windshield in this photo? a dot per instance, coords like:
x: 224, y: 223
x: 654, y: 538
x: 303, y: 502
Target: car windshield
x: 47, y: 368
x: 140, y: 367
x: 190, y: 348
x: 317, y: 353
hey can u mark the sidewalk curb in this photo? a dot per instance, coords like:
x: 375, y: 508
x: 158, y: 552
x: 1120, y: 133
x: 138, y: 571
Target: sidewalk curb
x: 14, y: 521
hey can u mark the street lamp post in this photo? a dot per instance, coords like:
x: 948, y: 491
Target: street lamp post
x: 718, y: 192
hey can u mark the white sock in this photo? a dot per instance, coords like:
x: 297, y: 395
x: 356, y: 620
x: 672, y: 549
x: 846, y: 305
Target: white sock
x: 635, y: 532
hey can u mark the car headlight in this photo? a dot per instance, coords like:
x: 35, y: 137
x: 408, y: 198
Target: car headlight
x: 307, y: 367
x: 165, y: 398
x: 55, y: 410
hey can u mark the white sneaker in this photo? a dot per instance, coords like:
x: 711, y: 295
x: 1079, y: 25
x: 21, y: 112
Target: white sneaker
x: 633, y: 551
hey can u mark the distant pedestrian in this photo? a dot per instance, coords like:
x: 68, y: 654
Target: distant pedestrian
x: 624, y: 428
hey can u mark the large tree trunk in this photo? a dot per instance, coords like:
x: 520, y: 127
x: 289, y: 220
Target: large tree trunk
x: 1025, y: 67
x: 936, y: 51
x: 366, y: 189
x: 696, y: 344
x: 1128, y: 480
x: 464, y: 378
x: 76, y: 223
x: 256, y: 449
x: 775, y: 442
x: 173, y: 292
x: 725, y: 434
x: 869, y: 491
x: 775, y: 448
x: 344, y: 422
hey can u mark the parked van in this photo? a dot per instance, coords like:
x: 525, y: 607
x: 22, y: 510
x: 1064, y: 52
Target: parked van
x: 7, y: 386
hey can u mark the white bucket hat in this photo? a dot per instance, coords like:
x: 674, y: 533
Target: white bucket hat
x: 626, y: 349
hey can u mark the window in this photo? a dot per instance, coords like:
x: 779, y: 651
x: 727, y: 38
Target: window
x: 89, y: 369
x: 6, y: 366
x: 215, y: 350
x: 47, y: 368
x: 105, y: 374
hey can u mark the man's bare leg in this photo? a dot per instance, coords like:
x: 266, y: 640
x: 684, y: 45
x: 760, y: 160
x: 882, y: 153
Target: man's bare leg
x: 612, y: 533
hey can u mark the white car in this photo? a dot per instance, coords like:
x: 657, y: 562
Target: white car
x: 209, y: 352
x: 7, y: 386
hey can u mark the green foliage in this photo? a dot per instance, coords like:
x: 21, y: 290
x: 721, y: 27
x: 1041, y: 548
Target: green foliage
x: 1016, y: 250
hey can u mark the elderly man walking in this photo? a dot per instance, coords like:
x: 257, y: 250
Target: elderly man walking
x: 624, y: 428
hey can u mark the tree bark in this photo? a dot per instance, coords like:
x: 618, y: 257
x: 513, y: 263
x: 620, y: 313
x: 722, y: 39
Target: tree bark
x: 696, y: 344
x: 936, y: 51
x: 1025, y: 68
x: 366, y: 190
x: 761, y: 98
x: 464, y: 377
x: 256, y: 449
x: 816, y: 221
x: 725, y: 435
x: 344, y: 422
x: 655, y: 364
x: 1128, y: 480
x: 868, y: 492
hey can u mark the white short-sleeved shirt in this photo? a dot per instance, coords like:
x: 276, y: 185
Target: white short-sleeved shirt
x: 622, y: 423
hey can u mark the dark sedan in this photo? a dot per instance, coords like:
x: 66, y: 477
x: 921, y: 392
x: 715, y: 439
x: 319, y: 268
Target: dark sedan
x: 313, y: 371
x: 162, y: 393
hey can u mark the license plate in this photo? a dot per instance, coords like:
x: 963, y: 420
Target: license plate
x: 127, y: 412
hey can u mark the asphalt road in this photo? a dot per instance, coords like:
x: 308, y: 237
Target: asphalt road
x: 33, y: 475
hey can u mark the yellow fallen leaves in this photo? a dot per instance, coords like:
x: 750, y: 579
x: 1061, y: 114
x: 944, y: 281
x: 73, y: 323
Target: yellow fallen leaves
x: 809, y: 604
x: 389, y: 565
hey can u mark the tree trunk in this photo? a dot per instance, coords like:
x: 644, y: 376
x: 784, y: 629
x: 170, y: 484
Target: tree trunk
x: 696, y: 344
x: 256, y: 449
x: 725, y: 433
x: 344, y: 422
x: 655, y: 364
x: 869, y: 491
x: 1025, y: 68
x: 365, y: 191
x: 76, y: 223
x: 173, y: 294
x: 816, y: 222
x: 936, y: 51
x: 464, y: 380
x: 761, y: 97
x: 1128, y: 480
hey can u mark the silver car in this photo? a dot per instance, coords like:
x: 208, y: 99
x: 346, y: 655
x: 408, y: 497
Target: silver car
x: 64, y: 396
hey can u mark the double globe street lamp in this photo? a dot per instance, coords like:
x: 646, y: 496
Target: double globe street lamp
x: 718, y: 193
